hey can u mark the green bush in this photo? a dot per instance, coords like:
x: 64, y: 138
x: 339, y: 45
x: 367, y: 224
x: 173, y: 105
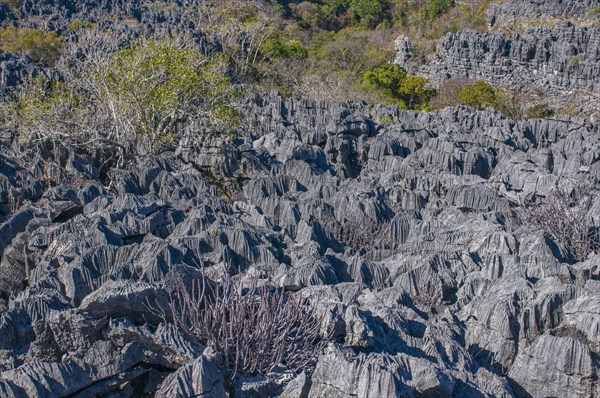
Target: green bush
x: 369, y: 12
x: 539, y: 111
x: 414, y: 94
x: 387, y: 78
x: 140, y: 99
x: 159, y: 86
x: 284, y: 46
x: 406, y: 91
x: 77, y: 24
x: 478, y: 95
x: 44, y: 48
x: 434, y: 8
x: 45, y: 108
x: 335, y: 15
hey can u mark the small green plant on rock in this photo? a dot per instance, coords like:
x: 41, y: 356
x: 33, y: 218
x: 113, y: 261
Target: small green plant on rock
x: 77, y: 24
x: 538, y: 111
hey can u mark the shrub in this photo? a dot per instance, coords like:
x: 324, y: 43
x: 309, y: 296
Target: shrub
x: 353, y: 50
x: 414, y: 94
x: 282, y: 46
x: 478, y: 95
x: 158, y: 87
x: 539, y: 111
x: 77, y: 24
x: 564, y: 217
x: 387, y: 78
x: 406, y: 91
x: 256, y: 329
x: 47, y: 109
x: 138, y: 99
x: 242, y: 28
x: 369, y: 12
x: 44, y: 48
x: 447, y: 94
x: 434, y: 8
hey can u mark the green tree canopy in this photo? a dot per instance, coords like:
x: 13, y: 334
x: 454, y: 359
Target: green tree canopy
x: 434, y: 8
x: 140, y: 98
x: 407, y: 91
x: 370, y: 12
x: 478, y: 95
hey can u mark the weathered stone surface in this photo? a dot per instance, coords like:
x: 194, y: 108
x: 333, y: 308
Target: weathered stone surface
x: 554, y: 366
x: 513, y: 10
x: 407, y: 237
x: 198, y: 379
x: 559, y: 58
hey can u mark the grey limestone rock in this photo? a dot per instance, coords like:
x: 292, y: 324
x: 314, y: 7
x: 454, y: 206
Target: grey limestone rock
x: 199, y: 378
x: 513, y: 10
x: 407, y: 238
x: 568, y: 370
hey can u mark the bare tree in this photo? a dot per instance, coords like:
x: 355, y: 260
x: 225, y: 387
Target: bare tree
x: 257, y: 329
x: 564, y: 217
x: 241, y: 27
x: 140, y: 98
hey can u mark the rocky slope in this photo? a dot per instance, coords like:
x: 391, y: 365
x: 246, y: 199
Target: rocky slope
x: 544, y: 50
x: 407, y: 231
x: 513, y: 10
x: 553, y: 59
x: 455, y: 296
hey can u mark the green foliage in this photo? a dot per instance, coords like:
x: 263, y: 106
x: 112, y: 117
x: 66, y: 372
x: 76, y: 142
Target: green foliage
x: 44, y: 48
x: 335, y: 15
x: 539, y: 111
x: 414, y: 94
x: 140, y: 98
x: 478, y: 95
x: 407, y: 91
x: 596, y: 10
x: 160, y: 85
x: 44, y: 106
x: 77, y: 24
x: 369, y: 12
x: 434, y: 8
x: 447, y: 93
x: 574, y: 61
x: 284, y: 46
x: 386, y: 78
x: 349, y: 50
